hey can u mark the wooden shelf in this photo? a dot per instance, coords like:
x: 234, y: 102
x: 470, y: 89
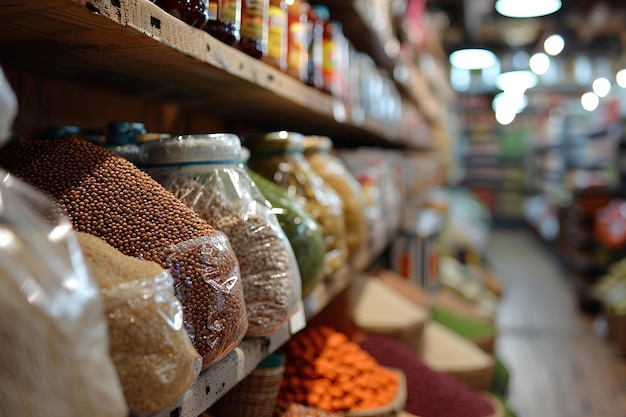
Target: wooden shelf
x: 384, y: 48
x: 134, y: 46
x: 218, y: 379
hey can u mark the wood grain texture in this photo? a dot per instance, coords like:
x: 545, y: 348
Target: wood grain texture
x: 559, y: 367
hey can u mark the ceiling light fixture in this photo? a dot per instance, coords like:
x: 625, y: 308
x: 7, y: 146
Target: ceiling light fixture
x: 510, y: 101
x: 589, y: 101
x: 539, y: 63
x: 505, y: 117
x: 516, y: 81
x: 620, y: 77
x: 527, y: 8
x: 601, y: 86
x: 473, y: 59
x: 554, y: 44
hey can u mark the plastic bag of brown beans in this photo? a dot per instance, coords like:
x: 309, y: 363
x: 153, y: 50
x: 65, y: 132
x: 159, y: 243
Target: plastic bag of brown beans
x: 107, y: 196
x: 203, y: 171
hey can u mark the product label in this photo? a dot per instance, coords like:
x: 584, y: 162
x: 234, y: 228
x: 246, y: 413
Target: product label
x: 252, y: 16
x: 277, y: 26
x: 297, y: 32
x: 330, y: 64
x: 231, y: 10
x: 212, y: 8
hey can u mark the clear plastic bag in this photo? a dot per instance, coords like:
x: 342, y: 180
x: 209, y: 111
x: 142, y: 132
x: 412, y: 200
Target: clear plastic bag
x: 154, y: 357
x: 109, y: 197
x: 218, y: 325
x: 54, y: 358
x: 203, y: 172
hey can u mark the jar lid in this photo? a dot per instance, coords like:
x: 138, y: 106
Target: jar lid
x: 317, y: 143
x: 277, y: 142
x: 149, y: 137
x: 193, y: 149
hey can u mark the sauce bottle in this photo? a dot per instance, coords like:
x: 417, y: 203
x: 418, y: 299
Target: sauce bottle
x: 277, y: 35
x: 297, y: 45
x: 315, y: 40
x: 192, y: 12
x: 332, y: 35
x: 254, y: 27
x: 225, y: 20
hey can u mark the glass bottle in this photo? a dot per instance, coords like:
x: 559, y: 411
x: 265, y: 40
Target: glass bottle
x: 254, y: 27
x: 225, y: 20
x: 297, y: 46
x: 277, y: 35
x: 315, y: 49
x: 192, y: 12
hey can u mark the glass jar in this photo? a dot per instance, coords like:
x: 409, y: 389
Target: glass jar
x: 225, y: 20
x: 254, y: 27
x: 336, y: 175
x: 297, y: 47
x: 278, y: 156
x: 203, y: 171
x: 192, y: 12
x: 303, y: 232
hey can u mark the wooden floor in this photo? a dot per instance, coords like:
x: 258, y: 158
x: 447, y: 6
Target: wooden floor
x: 559, y: 366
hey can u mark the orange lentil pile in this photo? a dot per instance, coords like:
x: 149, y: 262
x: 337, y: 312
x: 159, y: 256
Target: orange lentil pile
x: 324, y: 369
x: 107, y: 196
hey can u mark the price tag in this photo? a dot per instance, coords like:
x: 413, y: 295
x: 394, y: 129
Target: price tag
x: 297, y: 321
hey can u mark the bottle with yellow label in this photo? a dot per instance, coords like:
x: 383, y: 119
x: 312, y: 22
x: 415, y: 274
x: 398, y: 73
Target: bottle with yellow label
x: 297, y: 45
x: 225, y: 20
x: 254, y: 27
x: 277, y: 35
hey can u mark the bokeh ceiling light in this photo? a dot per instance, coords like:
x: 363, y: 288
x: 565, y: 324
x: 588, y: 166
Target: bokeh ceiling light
x: 516, y: 81
x: 509, y: 101
x: 621, y: 78
x: 601, y: 87
x: 539, y: 63
x: 473, y: 59
x: 505, y: 117
x: 589, y: 101
x: 527, y: 8
x: 554, y: 44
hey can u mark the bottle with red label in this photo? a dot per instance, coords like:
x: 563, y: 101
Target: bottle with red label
x: 297, y: 45
x: 277, y: 35
x: 225, y: 20
x: 333, y: 38
x: 254, y: 27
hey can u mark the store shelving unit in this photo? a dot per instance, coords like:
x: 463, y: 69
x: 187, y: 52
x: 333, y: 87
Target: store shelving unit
x: 135, y: 47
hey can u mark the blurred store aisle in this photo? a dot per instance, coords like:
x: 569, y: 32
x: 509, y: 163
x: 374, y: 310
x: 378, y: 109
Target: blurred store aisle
x: 559, y: 367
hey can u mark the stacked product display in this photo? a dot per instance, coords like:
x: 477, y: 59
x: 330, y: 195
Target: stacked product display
x: 182, y: 274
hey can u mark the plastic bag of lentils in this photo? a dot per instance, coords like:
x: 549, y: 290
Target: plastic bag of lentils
x: 155, y: 359
x: 203, y: 171
x: 107, y: 196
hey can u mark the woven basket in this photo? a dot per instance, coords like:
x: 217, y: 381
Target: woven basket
x: 254, y: 396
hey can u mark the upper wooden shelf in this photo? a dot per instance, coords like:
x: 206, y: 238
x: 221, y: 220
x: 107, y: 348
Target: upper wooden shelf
x: 134, y: 46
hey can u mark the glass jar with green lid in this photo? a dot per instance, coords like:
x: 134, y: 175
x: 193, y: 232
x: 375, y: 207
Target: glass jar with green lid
x: 203, y: 171
x: 333, y: 171
x: 279, y: 157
